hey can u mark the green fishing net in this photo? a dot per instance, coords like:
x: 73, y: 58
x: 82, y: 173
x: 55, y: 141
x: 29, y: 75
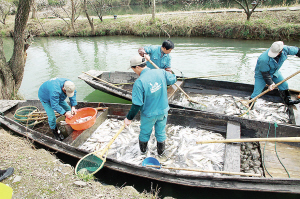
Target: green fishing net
x: 22, y: 115
x: 89, y: 165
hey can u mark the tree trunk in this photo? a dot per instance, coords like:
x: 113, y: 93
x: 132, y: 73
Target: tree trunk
x: 11, y: 73
x: 34, y: 8
x: 89, y: 19
x: 73, y: 15
x: 153, y: 10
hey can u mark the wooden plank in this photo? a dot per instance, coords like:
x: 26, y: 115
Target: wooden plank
x: 288, y: 155
x: 7, y: 104
x: 232, y: 151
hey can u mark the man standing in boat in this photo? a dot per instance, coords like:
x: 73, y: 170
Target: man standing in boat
x: 149, y: 95
x: 52, y: 95
x: 267, y: 70
x: 160, y: 55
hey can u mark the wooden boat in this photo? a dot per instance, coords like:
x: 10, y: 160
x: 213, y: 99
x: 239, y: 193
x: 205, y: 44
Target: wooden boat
x: 120, y: 85
x: 217, y: 123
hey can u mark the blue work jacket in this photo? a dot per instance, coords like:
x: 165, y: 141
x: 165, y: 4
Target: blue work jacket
x: 51, y: 92
x: 155, y: 55
x: 268, y: 64
x: 150, y: 91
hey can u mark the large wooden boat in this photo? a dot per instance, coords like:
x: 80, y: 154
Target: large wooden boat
x: 216, y: 123
x: 120, y: 84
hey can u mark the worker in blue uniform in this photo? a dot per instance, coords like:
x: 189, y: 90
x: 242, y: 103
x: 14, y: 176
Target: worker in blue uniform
x: 267, y: 70
x: 160, y: 55
x: 52, y: 95
x: 149, y: 95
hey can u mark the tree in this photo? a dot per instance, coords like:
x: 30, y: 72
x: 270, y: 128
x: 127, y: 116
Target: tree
x: 5, y: 9
x: 248, y: 11
x: 11, y: 72
x: 88, y: 17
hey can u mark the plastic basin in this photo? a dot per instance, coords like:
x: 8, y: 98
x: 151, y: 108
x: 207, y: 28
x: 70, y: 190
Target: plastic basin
x: 81, y: 113
x: 151, y: 161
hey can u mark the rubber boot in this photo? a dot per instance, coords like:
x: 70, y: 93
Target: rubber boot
x: 286, y: 96
x: 6, y: 173
x: 143, y: 146
x: 58, y: 136
x: 160, y: 147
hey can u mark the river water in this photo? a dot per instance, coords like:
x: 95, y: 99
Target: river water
x: 69, y: 57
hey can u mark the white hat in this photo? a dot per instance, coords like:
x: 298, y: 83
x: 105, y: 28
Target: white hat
x: 137, y: 60
x: 70, y: 88
x: 275, y: 49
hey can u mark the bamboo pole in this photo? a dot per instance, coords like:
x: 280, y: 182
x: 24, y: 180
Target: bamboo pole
x: 280, y: 139
x: 207, y: 171
x: 204, y: 76
x: 101, y: 80
x: 190, y: 99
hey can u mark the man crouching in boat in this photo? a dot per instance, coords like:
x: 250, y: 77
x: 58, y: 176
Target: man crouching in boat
x: 52, y: 95
x: 267, y: 70
x: 149, y: 95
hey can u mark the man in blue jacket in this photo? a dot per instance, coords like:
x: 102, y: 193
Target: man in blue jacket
x: 160, y: 55
x: 52, y: 95
x: 267, y: 70
x: 149, y: 95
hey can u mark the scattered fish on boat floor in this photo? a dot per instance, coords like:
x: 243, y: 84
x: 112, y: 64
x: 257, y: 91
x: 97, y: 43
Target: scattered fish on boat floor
x: 230, y: 105
x: 181, y: 149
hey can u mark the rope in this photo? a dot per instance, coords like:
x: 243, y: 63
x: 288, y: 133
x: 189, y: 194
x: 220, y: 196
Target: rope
x: 275, y: 125
x: 264, y: 152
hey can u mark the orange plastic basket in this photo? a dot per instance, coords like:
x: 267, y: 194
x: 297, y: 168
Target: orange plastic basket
x: 81, y: 113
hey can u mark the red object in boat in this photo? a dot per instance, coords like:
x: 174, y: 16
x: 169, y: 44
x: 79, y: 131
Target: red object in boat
x: 81, y: 113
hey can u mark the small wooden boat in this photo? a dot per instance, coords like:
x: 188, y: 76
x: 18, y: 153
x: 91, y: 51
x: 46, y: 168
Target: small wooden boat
x: 227, y: 126
x: 120, y: 85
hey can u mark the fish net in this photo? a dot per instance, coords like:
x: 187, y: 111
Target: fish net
x: 23, y: 115
x: 90, y: 164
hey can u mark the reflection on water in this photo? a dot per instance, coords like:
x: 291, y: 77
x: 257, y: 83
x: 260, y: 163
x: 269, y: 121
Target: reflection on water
x: 69, y: 57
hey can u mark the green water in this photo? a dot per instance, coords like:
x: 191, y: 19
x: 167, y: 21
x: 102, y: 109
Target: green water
x: 192, y: 57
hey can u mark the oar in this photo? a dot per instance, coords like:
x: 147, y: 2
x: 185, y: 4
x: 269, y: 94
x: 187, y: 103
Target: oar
x: 101, y: 80
x: 93, y: 162
x: 205, y: 171
x: 247, y: 102
x: 190, y: 99
x: 205, y: 76
x: 280, y: 139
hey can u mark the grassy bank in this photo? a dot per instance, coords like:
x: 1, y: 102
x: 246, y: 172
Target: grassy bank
x: 266, y: 25
x: 39, y: 174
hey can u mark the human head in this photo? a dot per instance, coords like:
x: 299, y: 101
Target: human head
x: 137, y: 62
x: 167, y: 46
x: 69, y: 88
x: 275, y: 49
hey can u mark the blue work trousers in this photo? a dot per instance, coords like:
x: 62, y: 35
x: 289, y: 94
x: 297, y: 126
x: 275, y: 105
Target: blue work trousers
x: 51, y: 114
x: 159, y: 122
x: 260, y: 85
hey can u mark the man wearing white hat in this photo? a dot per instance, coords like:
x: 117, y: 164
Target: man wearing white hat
x: 149, y: 95
x: 52, y: 95
x: 267, y: 70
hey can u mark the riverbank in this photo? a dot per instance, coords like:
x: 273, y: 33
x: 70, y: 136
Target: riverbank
x: 39, y: 174
x: 283, y: 24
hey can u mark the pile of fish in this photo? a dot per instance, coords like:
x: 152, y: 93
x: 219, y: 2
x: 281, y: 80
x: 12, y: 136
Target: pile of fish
x: 231, y: 105
x: 181, y: 148
x: 83, y: 119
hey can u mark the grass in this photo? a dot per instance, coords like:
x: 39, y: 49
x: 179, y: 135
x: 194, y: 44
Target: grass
x: 267, y: 25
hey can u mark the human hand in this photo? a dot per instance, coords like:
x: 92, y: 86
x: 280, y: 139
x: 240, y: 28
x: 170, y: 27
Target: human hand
x: 127, y: 122
x: 73, y: 110
x: 147, y: 57
x: 272, y: 87
x: 141, y: 51
x: 68, y: 114
x: 169, y: 70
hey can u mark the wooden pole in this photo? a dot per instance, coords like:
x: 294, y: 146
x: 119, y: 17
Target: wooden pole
x: 190, y: 99
x: 279, y: 139
x: 204, y: 76
x: 206, y: 171
x: 101, y: 80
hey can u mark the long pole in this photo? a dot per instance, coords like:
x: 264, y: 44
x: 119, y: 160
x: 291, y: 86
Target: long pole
x: 280, y: 139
